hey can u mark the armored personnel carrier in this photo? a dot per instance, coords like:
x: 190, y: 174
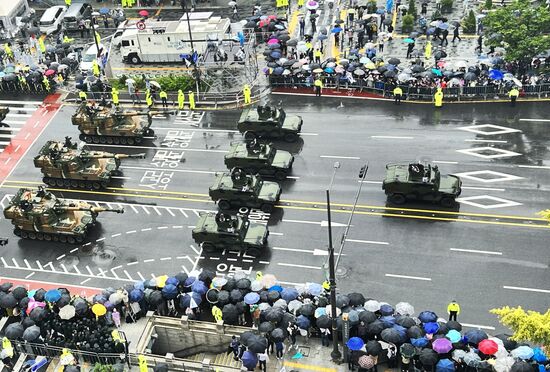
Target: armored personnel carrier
x: 4, y: 111
x: 421, y: 182
x: 219, y: 231
x: 65, y: 164
x: 256, y: 158
x: 39, y: 214
x: 237, y: 189
x: 110, y: 125
x: 269, y: 122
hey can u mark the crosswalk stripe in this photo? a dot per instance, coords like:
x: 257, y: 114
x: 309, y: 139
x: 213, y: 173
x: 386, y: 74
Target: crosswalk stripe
x: 7, y: 135
x: 23, y: 108
x: 19, y: 115
x: 3, y: 143
x: 14, y: 122
x: 8, y: 102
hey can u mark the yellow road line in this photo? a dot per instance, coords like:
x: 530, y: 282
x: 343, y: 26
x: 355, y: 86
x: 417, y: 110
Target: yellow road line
x: 310, y: 367
x: 293, y: 22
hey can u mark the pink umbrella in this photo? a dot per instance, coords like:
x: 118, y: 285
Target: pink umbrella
x: 49, y: 72
x: 441, y: 63
x: 34, y: 304
x: 442, y: 345
x: 143, y: 13
x: 273, y: 41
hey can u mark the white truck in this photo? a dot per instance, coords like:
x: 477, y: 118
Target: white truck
x: 169, y: 41
x: 11, y: 13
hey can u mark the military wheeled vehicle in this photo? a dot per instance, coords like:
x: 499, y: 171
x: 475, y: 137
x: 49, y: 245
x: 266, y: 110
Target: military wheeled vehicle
x: 111, y: 125
x: 219, y: 231
x: 238, y: 189
x: 39, y: 214
x: 269, y: 122
x: 4, y: 111
x: 65, y: 164
x: 257, y: 158
x: 421, y: 182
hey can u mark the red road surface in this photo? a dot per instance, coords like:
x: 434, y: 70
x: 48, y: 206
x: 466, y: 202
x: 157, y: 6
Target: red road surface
x: 35, y: 284
x: 34, y: 126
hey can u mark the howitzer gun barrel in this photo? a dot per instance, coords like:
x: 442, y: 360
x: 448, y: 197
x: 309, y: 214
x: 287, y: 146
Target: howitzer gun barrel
x: 89, y: 209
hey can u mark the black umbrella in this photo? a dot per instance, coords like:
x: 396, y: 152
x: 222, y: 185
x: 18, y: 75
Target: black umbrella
x: 230, y: 285
x: 19, y: 292
x: 453, y: 324
x: 508, y: 343
x: 212, y: 295
x: 475, y: 336
x: 266, y: 327
x: 307, y: 309
x: 391, y: 335
x: 64, y: 300
x: 206, y: 275
x: 342, y: 301
x: 323, y: 321
x: 470, y: 76
x: 24, y: 303
x: 8, y: 301
x: 394, y: 61
x: 155, y: 298
x: 390, y: 74
x: 405, y: 321
x: 428, y: 357
x: 273, y: 296
x: 407, y: 350
x: 27, y: 322
x: 367, y: 316
x: 181, y: 277
x: 257, y: 344
x: 455, y: 23
x: 235, y: 296
x: 243, y: 283
x: 382, y: 69
x: 245, y: 336
x: 375, y: 327
x: 292, y: 42
x: 278, y: 334
x: 373, y: 347
x: 440, y: 54
x: 230, y: 314
x: 5, y: 287
x: 14, y: 330
x: 287, y: 319
x: 31, y: 333
x: 39, y: 294
x: 415, y: 332
x: 223, y: 298
x: 417, y: 69
x: 443, y: 328
x: 322, y: 302
x: 38, y: 314
x: 522, y: 366
x: 274, y: 314
x: 71, y: 369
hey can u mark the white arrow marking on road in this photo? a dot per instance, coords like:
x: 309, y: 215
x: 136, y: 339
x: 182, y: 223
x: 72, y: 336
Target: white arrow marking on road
x: 408, y: 277
x: 527, y: 289
x: 315, y: 252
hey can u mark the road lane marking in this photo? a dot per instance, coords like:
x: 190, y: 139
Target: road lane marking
x: 482, y: 188
x: 477, y: 326
x: 173, y: 170
x: 373, y: 182
x: 149, y: 260
x: 526, y: 289
x: 475, y: 251
x: 540, y: 120
x: 409, y: 277
x: 155, y: 148
x: 140, y: 276
x: 444, y: 162
x: 27, y: 263
x: 392, y: 137
x: 85, y: 281
x: 292, y: 250
x: 15, y: 262
x: 128, y: 275
x: 339, y: 157
x: 29, y: 275
x: 534, y: 166
x: 300, y: 266
x: 367, y: 241
x: 132, y: 263
x: 485, y: 141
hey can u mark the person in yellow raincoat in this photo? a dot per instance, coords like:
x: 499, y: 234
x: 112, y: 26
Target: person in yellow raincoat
x: 114, y: 95
x: 513, y: 94
x: 191, y: 100
x: 217, y: 313
x: 428, y: 50
x: 438, y: 98
x: 246, y: 92
x: 9, y: 52
x: 181, y: 99
x: 142, y: 363
x: 300, y: 4
x: 95, y: 68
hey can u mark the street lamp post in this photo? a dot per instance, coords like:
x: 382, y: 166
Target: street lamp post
x: 94, y: 24
x: 195, y: 70
x: 335, y: 354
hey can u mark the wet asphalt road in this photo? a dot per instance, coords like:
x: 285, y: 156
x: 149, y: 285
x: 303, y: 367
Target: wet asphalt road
x: 488, y: 252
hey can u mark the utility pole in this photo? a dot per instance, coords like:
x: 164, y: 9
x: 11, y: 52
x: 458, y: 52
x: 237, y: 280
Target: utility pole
x: 196, y: 72
x: 335, y: 354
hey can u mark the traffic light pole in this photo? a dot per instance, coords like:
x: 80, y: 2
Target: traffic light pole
x: 195, y: 70
x: 335, y: 354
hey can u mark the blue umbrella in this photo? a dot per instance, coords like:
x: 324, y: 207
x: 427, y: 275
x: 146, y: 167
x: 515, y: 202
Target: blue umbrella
x: 495, y: 74
x: 199, y: 287
x: 170, y: 291
x: 52, y: 295
x: 189, y: 281
x: 453, y: 335
x: 475, y: 336
x: 437, y: 72
x: 251, y: 298
x: 329, y: 70
x: 314, y: 289
x: 277, y: 288
x: 302, y: 322
x: 289, y: 294
x: 386, y: 309
x: 172, y: 280
x: 419, y: 342
x: 388, y: 321
x: 445, y: 365
x: 139, y: 285
x: 389, y: 6
x: 322, y: 37
x: 523, y: 352
x: 336, y: 30
x: 402, y: 330
x: 538, y: 355
x: 275, y: 55
x: 99, y: 299
x: 135, y: 295
x: 104, y: 11
x: 191, y: 300
x: 431, y: 327
x: 430, y: 31
x: 380, y: 11
x: 249, y: 360
x: 443, y: 26
x: 355, y: 343
x: 408, y: 40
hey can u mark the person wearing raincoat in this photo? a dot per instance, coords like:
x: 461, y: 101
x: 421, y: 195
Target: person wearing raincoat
x: 513, y: 94
x: 438, y: 98
x: 191, y: 100
x: 397, y: 94
x: 181, y: 99
x: 95, y: 68
x: 428, y: 50
x: 142, y: 364
x: 453, y: 309
x: 114, y: 96
x: 46, y: 83
x: 246, y: 92
x: 7, y: 350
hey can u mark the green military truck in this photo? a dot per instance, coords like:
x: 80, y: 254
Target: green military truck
x: 269, y: 122
x: 420, y: 182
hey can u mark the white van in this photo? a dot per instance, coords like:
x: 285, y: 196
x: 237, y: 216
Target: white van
x: 89, y: 57
x: 51, y: 19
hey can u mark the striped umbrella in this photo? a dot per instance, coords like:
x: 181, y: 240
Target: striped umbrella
x: 366, y: 361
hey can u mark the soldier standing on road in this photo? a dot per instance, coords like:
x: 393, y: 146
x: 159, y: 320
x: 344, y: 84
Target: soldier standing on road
x: 397, y: 94
x: 191, y: 100
x: 453, y: 309
x: 181, y: 99
x: 513, y: 94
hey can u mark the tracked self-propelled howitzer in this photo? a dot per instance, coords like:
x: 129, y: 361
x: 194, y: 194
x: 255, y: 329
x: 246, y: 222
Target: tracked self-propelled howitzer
x: 111, y: 125
x: 65, y: 164
x: 39, y: 214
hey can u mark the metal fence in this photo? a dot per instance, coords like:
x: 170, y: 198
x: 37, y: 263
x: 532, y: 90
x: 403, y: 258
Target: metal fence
x: 465, y: 93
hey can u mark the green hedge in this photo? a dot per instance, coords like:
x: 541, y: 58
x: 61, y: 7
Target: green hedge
x: 170, y: 83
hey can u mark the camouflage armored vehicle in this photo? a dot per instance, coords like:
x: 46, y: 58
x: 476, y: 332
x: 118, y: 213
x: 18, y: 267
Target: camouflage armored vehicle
x: 219, y: 231
x: 65, y: 164
x: 269, y: 122
x: 110, y: 125
x: 4, y: 111
x: 237, y: 189
x: 39, y: 214
x: 256, y: 158
x: 421, y: 182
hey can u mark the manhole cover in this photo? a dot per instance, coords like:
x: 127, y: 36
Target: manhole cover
x: 342, y: 272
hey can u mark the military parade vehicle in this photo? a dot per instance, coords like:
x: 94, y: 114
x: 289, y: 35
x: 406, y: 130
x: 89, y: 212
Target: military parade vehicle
x: 421, y: 182
x: 256, y: 158
x: 4, y: 111
x: 219, y: 231
x: 111, y: 125
x: 269, y: 122
x: 65, y: 164
x: 238, y: 189
x: 39, y: 214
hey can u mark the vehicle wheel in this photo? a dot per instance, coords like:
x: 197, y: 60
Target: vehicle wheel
x: 67, y: 183
x: 17, y: 232
x: 209, y: 247
x: 267, y: 208
x: 47, y: 237
x: 59, y: 183
x: 131, y: 141
x: 102, y: 140
x: 95, y: 140
x: 49, y: 181
x: 135, y: 60
x: 447, y: 202
x: 39, y: 236
x: 116, y: 140
x: 280, y: 175
x: 74, y: 183
x: 138, y: 140
x: 87, y: 139
x: 103, y: 185
x: 123, y: 141
x: 24, y: 234
x: 224, y: 205
x: 253, y: 252
x: 63, y: 239
x: 82, y: 185
x: 109, y: 140
x: 71, y: 240
x: 55, y: 238
x: 79, y: 239
x: 32, y: 235
x: 291, y: 137
x: 398, y: 199
x: 249, y: 136
x: 96, y: 185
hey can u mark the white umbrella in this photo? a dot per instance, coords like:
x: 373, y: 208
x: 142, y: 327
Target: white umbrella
x: 294, y: 305
x: 282, y: 61
x: 66, y: 359
x: 269, y: 280
x: 504, y: 364
x: 219, y: 282
x: 404, y: 308
x: 372, y: 305
x: 67, y: 312
x: 240, y: 275
x: 155, y: 84
x: 264, y: 306
x: 458, y: 355
x: 369, y: 46
x: 331, y: 64
x: 130, y: 81
x: 231, y: 3
x: 517, y: 82
x: 256, y: 286
x: 286, y: 72
x: 461, y: 64
x: 312, y: 5
x: 280, y: 303
x: 403, y: 77
x: 115, y: 298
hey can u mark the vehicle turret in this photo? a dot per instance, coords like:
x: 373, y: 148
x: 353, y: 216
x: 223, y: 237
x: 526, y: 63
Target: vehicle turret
x: 269, y: 122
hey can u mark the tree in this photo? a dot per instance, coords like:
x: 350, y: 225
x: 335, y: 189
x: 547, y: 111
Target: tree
x: 407, y: 23
x: 412, y: 9
x: 545, y: 214
x: 529, y: 326
x: 521, y: 28
x: 446, y: 6
x: 469, y: 23
x: 488, y: 4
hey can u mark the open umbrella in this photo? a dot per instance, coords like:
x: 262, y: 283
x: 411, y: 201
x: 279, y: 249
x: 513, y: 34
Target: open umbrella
x: 392, y: 335
x: 31, y: 334
x: 407, y: 350
x: 14, y: 331
x: 394, y: 61
x: 355, y: 343
x: 314, y: 289
x: 471, y: 359
x: 431, y: 327
x: 487, y: 347
x: 475, y: 336
x: 295, y: 305
x: 251, y: 298
x: 436, y: 72
x: 5, y: 287
x: 523, y: 352
x: 265, y: 327
x: 336, y: 30
x: 405, y: 308
x: 428, y: 357
x: 453, y: 336
x: 408, y: 41
x: 104, y: 11
x: 373, y: 347
x: 323, y: 321
x: 143, y: 13
x: 190, y: 300
x: 230, y: 314
x: 273, y: 314
x: 249, y: 360
x: 508, y: 343
x: 539, y: 355
x: 445, y: 365
x: 312, y: 5
x: 52, y: 295
x: 289, y: 294
x: 278, y: 334
x: 442, y: 345
x: 342, y: 301
x: 496, y: 74
x: 459, y: 355
x: 8, y: 301
x: 405, y: 321
x: 303, y: 322
x: 67, y: 312
x: 365, y: 361
x: 521, y: 366
x: 307, y: 309
x: 257, y: 344
x: 367, y: 316
x: 504, y: 364
x: 98, y: 310
x: 19, y: 293
x: 375, y: 327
